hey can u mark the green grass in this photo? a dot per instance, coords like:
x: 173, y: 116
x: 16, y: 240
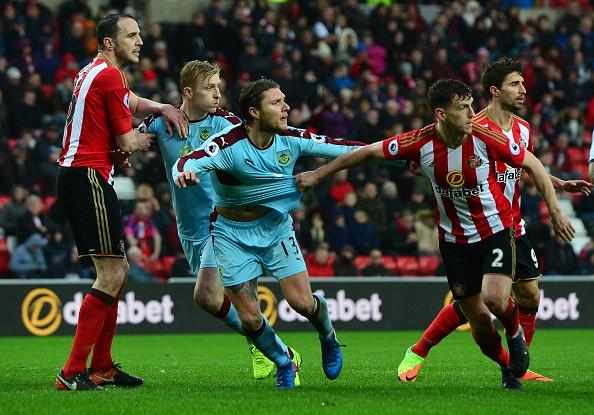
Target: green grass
x: 211, y: 373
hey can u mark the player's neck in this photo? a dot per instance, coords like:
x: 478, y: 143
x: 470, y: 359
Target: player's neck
x: 194, y: 114
x: 499, y: 116
x: 259, y: 138
x: 110, y: 58
x: 450, y: 137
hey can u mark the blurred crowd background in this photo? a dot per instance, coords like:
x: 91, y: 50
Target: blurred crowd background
x: 352, y: 69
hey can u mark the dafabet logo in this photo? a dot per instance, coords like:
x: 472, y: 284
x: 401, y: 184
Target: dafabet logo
x: 41, y: 312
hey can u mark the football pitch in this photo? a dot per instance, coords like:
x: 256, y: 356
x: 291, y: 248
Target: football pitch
x: 211, y: 374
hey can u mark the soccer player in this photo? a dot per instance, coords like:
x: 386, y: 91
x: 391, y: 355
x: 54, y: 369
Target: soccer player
x: 504, y: 83
x: 199, y: 82
x: 98, y: 123
x: 251, y: 226
x: 474, y: 217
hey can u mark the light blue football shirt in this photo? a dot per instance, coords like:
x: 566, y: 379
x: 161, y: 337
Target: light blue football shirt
x: 252, y: 176
x: 193, y: 205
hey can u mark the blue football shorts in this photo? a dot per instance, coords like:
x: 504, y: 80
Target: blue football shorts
x: 200, y: 254
x: 245, y: 249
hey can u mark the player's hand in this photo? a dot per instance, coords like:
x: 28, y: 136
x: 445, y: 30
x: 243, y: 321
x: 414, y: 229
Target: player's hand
x: 578, y: 186
x: 175, y: 118
x: 415, y: 168
x: 120, y: 157
x: 144, y: 140
x: 562, y: 226
x: 306, y: 180
x: 186, y: 178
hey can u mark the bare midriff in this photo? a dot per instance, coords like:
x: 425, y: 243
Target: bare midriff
x: 243, y: 213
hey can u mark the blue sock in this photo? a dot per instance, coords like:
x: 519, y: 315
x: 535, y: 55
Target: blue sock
x: 271, y: 346
x: 320, y: 318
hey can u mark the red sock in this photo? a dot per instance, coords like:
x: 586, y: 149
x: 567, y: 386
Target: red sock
x: 91, y: 319
x: 511, y: 318
x: 528, y: 322
x: 102, y: 359
x: 446, y: 321
x: 491, y: 347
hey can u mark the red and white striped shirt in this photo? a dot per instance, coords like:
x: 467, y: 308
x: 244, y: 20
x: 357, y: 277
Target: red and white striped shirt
x: 98, y: 113
x: 471, y: 206
x: 509, y: 177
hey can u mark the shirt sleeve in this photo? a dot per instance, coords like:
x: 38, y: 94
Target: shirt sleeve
x: 395, y: 148
x: 323, y: 146
x: 592, y: 148
x: 115, y: 96
x: 509, y: 152
x: 208, y: 156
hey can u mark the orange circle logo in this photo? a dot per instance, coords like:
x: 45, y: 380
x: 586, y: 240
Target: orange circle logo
x: 268, y: 304
x: 455, y: 178
x: 41, y: 312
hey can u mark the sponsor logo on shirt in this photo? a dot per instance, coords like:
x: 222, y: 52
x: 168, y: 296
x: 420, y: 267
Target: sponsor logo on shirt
x: 461, y: 192
x: 455, y: 178
x: 510, y: 174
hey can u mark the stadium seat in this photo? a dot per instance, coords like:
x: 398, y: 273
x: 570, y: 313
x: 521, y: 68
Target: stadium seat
x: 48, y: 202
x: 4, y: 200
x: 167, y: 264
x: 154, y: 267
x: 361, y: 261
x: 428, y: 265
x: 4, y: 259
x: 389, y: 262
x: 407, y: 266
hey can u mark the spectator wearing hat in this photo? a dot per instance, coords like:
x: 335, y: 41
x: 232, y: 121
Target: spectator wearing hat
x: 23, y: 60
x: 27, y: 260
x: 47, y: 61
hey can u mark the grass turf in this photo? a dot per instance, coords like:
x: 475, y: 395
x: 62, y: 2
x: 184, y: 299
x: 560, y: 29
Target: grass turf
x: 211, y: 373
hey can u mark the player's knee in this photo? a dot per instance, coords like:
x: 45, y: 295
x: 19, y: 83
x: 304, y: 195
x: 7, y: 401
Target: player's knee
x: 528, y: 298
x: 496, y: 304
x: 207, y: 301
x: 251, y: 322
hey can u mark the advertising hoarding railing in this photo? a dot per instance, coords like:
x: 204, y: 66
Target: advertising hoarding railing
x: 50, y: 307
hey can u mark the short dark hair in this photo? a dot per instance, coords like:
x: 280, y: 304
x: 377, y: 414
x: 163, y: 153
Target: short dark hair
x: 496, y: 72
x: 443, y: 92
x: 107, y: 26
x: 251, y: 96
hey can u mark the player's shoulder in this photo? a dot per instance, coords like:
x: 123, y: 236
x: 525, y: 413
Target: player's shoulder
x: 294, y: 133
x: 481, y: 118
x: 226, y: 115
x: 228, y: 136
x: 418, y: 136
x: 111, y: 77
x: 486, y: 134
x: 519, y: 120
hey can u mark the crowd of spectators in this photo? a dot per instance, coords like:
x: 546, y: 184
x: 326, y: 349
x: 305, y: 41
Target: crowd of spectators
x: 349, y: 69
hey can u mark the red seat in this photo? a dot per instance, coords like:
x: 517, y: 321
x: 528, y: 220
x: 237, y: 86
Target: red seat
x: 389, y: 262
x: 4, y: 200
x: 361, y: 261
x: 167, y: 263
x: 407, y: 266
x: 48, y: 202
x: 428, y: 265
x: 154, y: 267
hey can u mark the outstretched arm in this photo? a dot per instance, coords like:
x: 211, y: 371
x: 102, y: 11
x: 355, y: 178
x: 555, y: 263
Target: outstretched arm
x: 309, y: 179
x: 572, y: 186
x: 561, y: 223
x: 174, y: 117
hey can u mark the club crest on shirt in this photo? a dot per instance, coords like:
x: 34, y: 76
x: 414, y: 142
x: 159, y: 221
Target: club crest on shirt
x: 185, y: 150
x: 283, y: 159
x: 455, y: 178
x: 204, y: 134
x: 474, y: 162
